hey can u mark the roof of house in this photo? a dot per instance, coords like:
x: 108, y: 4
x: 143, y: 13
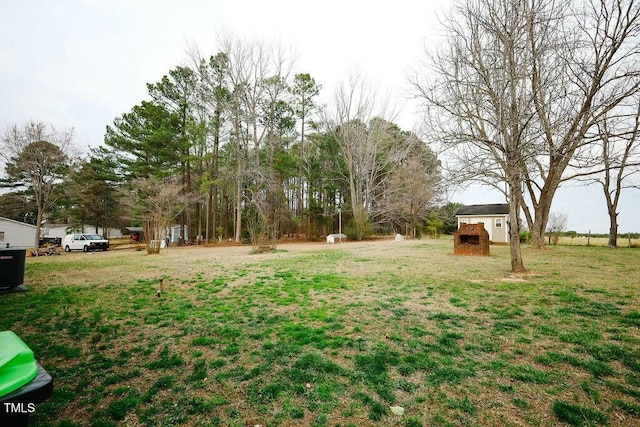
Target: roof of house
x: 494, y: 209
x: 17, y: 222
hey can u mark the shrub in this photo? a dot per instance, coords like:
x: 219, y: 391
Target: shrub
x: 351, y: 230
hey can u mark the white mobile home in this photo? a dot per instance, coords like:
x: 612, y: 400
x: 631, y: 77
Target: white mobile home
x: 495, y: 218
x: 58, y: 231
x: 16, y: 234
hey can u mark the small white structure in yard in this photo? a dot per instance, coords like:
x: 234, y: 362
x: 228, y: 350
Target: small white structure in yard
x: 58, y: 231
x: 55, y: 231
x: 16, y: 234
x: 331, y: 238
x: 176, y: 235
x: 399, y: 238
x: 495, y: 218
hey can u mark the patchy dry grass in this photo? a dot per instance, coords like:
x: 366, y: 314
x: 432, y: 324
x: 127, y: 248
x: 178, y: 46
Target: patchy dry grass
x: 335, y: 335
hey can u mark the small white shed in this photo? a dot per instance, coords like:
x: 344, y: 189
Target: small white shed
x: 495, y: 218
x: 331, y: 238
x: 176, y: 235
x: 16, y: 234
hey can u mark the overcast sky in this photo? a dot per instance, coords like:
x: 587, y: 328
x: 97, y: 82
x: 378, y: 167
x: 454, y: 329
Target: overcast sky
x: 82, y: 63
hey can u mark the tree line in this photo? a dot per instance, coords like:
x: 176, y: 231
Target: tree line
x: 522, y: 96
x: 235, y: 146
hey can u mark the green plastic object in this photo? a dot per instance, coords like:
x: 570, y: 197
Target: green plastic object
x: 17, y: 363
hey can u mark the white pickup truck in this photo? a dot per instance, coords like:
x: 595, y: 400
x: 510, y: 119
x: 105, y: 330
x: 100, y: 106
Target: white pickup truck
x: 84, y: 242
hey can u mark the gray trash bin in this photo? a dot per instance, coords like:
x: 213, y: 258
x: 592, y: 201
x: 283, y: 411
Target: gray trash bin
x: 12, y: 267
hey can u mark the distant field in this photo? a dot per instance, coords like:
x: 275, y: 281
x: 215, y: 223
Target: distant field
x: 330, y: 335
x: 596, y: 241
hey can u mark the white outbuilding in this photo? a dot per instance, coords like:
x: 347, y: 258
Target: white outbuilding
x: 16, y: 234
x: 58, y: 231
x: 331, y: 238
x: 495, y: 218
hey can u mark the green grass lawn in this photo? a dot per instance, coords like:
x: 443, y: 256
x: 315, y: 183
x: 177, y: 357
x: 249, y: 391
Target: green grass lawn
x: 334, y: 335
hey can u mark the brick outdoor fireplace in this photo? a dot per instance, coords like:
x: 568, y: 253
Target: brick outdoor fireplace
x: 471, y: 239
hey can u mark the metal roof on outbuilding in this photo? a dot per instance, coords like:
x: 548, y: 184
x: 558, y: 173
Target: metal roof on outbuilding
x: 492, y: 209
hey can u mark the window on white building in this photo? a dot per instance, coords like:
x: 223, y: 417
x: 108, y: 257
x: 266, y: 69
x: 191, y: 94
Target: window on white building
x: 498, y: 222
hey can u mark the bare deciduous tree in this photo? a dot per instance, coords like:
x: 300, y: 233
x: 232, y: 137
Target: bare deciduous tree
x: 411, y: 187
x: 518, y: 87
x: 36, y: 158
x: 161, y: 200
x: 613, y: 162
x: 596, y: 71
x: 410, y: 192
x: 476, y: 101
x: 257, y: 76
x: 366, y: 145
x: 556, y: 226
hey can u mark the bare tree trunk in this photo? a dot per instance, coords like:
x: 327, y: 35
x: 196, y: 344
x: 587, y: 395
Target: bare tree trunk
x: 238, y: 218
x: 300, y: 179
x: 613, y: 229
x: 542, y: 210
x: 612, y: 202
x: 38, y: 223
x: 517, y: 264
x: 216, y: 170
x: 207, y: 235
